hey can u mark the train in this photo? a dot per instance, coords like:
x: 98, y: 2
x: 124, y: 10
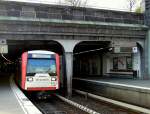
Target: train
x: 38, y: 70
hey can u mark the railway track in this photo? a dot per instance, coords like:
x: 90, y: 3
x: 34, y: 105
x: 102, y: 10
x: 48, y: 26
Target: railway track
x: 78, y: 104
x: 100, y: 106
x: 54, y: 105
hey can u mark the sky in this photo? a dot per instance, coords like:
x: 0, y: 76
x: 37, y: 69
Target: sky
x: 102, y: 4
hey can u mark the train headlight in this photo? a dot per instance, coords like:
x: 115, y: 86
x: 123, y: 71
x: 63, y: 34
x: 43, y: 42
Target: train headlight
x: 53, y: 79
x: 29, y: 79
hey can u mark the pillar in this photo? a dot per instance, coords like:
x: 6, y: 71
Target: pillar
x: 147, y: 41
x: 68, y: 52
x: 69, y: 71
x: 136, y: 63
x: 147, y: 55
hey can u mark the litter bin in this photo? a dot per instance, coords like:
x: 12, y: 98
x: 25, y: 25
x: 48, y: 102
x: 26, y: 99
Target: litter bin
x: 134, y: 73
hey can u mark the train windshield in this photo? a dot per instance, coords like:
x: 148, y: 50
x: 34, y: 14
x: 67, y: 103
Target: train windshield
x: 41, y: 66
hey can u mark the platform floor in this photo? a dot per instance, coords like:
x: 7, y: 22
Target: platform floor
x: 135, y: 83
x: 8, y: 101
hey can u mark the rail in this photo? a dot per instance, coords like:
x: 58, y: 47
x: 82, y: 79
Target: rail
x: 83, y: 108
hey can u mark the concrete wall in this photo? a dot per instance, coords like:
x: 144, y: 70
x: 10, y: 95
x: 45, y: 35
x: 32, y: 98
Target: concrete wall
x: 82, y: 31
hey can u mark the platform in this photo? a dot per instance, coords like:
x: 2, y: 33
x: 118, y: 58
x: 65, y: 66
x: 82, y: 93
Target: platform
x: 10, y: 102
x: 131, y: 91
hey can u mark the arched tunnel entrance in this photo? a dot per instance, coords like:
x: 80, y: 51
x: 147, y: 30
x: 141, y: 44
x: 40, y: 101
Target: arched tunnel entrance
x: 99, y: 62
x: 88, y: 59
x: 105, y: 59
x: 17, y: 47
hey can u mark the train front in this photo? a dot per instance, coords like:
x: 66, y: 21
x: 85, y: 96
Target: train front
x: 40, y: 71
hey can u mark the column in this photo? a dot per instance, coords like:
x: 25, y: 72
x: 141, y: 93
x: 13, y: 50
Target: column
x: 69, y: 71
x: 147, y: 41
x: 147, y: 56
x: 68, y: 46
x: 136, y: 63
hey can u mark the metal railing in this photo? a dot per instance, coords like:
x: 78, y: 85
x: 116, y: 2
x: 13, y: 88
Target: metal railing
x: 67, y: 15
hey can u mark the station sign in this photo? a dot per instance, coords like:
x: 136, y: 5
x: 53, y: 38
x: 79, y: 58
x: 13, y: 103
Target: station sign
x: 35, y: 55
x: 3, y: 49
x: 134, y: 49
x: 41, y: 56
x: 3, y: 42
x: 116, y: 49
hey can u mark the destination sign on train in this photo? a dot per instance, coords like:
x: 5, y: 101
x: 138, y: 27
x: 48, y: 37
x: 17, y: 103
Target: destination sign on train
x: 41, y: 56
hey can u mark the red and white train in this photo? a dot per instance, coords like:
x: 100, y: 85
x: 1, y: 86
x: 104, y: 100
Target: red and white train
x: 39, y: 71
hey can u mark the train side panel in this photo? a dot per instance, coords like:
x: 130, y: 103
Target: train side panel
x: 58, y: 70
x: 24, y: 69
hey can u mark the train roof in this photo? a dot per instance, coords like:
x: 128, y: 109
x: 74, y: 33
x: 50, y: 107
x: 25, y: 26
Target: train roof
x: 41, y: 52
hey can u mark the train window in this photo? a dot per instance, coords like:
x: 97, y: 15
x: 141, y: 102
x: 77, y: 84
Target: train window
x: 41, y: 66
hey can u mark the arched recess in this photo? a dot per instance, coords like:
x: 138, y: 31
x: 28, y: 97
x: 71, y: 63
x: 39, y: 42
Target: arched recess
x: 16, y: 47
x: 103, y: 66
x: 88, y: 58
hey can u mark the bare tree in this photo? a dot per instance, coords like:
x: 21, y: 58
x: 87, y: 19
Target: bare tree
x: 134, y: 4
x: 77, y: 3
x: 131, y: 4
